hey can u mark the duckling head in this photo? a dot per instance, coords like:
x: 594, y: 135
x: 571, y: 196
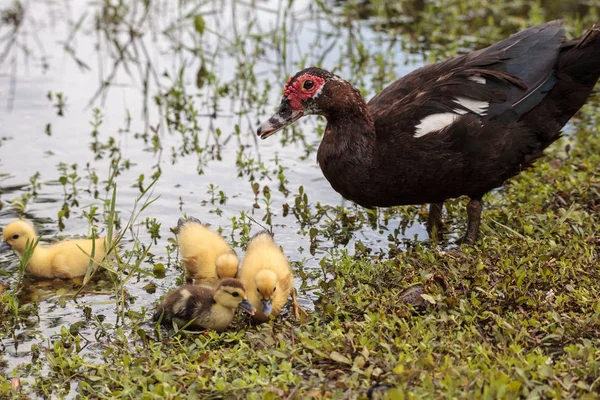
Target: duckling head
x: 227, y: 266
x: 231, y: 294
x: 266, y: 284
x: 17, y: 236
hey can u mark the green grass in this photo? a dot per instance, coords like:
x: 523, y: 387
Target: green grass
x: 522, y: 319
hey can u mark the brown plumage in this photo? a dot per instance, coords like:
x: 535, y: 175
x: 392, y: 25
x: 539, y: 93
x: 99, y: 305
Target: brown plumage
x: 459, y: 127
x: 199, y: 307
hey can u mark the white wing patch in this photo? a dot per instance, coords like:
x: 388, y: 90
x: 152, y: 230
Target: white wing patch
x: 436, y: 122
x: 477, y: 78
x: 475, y: 106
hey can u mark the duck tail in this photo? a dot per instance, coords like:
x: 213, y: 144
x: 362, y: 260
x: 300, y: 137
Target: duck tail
x: 227, y: 265
x: 194, y: 220
x: 578, y: 70
x: 580, y: 58
x: 182, y: 221
x: 591, y: 37
x: 260, y: 239
x: 265, y: 232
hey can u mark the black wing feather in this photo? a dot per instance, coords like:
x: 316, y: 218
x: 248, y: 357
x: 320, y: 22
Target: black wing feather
x: 519, y: 72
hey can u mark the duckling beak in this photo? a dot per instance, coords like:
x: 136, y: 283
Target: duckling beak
x: 4, y: 246
x: 282, y: 118
x: 267, y: 306
x: 246, y: 306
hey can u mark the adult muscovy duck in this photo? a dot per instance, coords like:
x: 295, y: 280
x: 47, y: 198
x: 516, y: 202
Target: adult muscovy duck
x: 458, y: 127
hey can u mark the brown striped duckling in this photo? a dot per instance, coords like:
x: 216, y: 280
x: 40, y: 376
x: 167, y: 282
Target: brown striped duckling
x: 198, y: 307
x: 63, y: 260
x: 267, y: 276
x: 206, y: 256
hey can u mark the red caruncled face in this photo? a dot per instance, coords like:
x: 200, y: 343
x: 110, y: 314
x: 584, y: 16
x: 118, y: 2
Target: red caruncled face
x: 304, y: 87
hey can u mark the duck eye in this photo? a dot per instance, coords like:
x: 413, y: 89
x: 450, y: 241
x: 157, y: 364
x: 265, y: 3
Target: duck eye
x: 308, y: 84
x: 235, y: 294
x: 15, y: 236
x: 258, y: 290
x: 274, y: 288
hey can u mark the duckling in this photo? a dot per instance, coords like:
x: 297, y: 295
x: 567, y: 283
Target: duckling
x: 206, y: 256
x: 199, y: 307
x: 63, y: 260
x: 267, y: 276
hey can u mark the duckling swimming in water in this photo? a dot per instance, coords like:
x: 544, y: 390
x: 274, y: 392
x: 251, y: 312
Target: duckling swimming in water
x: 206, y: 255
x: 267, y: 276
x: 202, y: 308
x: 64, y: 260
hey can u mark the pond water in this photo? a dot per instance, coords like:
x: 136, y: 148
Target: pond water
x: 174, y: 91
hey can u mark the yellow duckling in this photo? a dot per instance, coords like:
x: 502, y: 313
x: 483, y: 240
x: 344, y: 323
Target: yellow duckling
x: 206, y: 255
x: 202, y: 308
x: 267, y: 276
x: 64, y: 260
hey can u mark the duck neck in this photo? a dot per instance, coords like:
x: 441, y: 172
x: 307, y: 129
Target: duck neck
x: 36, y: 250
x: 223, y: 314
x: 349, y: 121
x: 347, y: 152
x: 350, y: 134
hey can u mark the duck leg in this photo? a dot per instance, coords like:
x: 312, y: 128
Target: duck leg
x: 434, y: 222
x: 296, y: 309
x: 474, y: 220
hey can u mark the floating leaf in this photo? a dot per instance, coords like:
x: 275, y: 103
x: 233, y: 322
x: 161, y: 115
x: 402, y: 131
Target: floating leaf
x: 150, y: 288
x: 159, y: 270
x: 199, y: 24
x: 201, y: 76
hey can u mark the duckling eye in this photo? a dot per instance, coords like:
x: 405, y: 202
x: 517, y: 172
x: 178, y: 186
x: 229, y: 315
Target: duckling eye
x: 274, y: 288
x: 235, y: 294
x: 258, y: 290
x: 308, y: 84
x: 15, y: 236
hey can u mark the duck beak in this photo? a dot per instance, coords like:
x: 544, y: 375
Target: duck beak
x: 283, y: 117
x: 267, y: 306
x: 246, y: 306
x: 4, y: 246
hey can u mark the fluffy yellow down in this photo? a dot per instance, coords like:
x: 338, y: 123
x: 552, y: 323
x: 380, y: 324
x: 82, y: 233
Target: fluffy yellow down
x: 200, y: 248
x: 266, y: 274
x: 64, y: 260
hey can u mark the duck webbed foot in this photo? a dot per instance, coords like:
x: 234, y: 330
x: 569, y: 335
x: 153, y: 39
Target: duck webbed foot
x: 474, y: 208
x: 435, y: 225
x: 296, y: 309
